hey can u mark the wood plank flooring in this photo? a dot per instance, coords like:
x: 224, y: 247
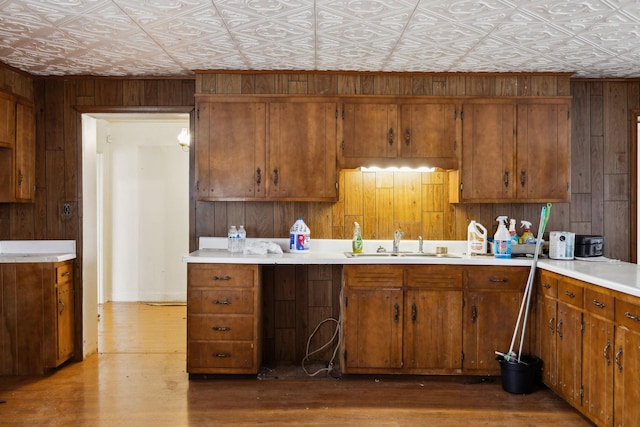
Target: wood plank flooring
x: 138, y: 378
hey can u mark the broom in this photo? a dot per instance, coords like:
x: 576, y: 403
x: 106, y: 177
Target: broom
x: 526, y: 298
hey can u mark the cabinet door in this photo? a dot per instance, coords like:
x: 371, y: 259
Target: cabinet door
x: 569, y: 341
x: 25, y: 153
x: 488, y: 152
x: 373, y: 328
x: 230, y: 150
x: 64, y: 300
x: 429, y: 131
x: 543, y: 152
x: 488, y: 322
x: 302, y: 151
x: 370, y: 131
x: 546, y: 317
x: 432, y: 333
x: 7, y: 120
x: 627, y: 381
x: 597, y: 369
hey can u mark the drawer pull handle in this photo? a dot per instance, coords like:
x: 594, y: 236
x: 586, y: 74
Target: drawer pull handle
x: 598, y: 303
x: 221, y: 302
x: 65, y: 274
x: 497, y: 280
x: 221, y: 355
x: 618, y: 362
x: 551, y: 328
x: 221, y: 278
x: 606, y: 352
x: 570, y: 294
x: 546, y: 285
x: 414, y: 313
x: 632, y: 317
x: 221, y: 328
x: 396, y: 312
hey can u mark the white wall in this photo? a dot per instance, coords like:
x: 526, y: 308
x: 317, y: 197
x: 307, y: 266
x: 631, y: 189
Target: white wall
x: 146, y: 217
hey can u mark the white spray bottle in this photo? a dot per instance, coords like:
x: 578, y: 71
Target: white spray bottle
x: 502, y: 239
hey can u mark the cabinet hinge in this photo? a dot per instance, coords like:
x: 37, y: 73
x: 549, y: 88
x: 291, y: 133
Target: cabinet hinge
x: 582, y: 327
x: 461, y: 115
x: 568, y: 114
x: 336, y: 113
x: 455, y: 114
x: 455, y: 145
x: 462, y: 356
x: 342, y: 114
x: 581, y: 391
x: 198, y: 114
x: 337, y: 186
x: 342, y: 145
x: 461, y: 187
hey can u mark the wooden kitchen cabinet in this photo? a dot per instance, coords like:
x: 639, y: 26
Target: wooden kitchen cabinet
x: 433, y: 319
x: 37, y: 325
x: 260, y: 148
x: 379, y: 131
x: 626, y: 357
x: 230, y: 150
x: 372, y: 318
x: 569, y: 340
x: 492, y: 298
x: 546, y: 323
x: 223, y: 319
x: 17, y: 149
x: 514, y: 150
x: 598, y: 356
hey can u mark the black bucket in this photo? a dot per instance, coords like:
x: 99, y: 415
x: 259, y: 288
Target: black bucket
x: 520, y: 378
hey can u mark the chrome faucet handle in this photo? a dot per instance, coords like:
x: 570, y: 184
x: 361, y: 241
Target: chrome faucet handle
x: 397, y: 235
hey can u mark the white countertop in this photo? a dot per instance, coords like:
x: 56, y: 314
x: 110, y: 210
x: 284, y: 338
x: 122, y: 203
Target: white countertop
x: 620, y: 276
x: 14, y: 251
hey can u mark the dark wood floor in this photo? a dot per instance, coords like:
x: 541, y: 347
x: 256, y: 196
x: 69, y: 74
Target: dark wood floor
x: 138, y: 378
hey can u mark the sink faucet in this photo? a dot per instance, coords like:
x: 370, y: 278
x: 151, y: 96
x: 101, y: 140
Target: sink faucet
x: 397, y: 235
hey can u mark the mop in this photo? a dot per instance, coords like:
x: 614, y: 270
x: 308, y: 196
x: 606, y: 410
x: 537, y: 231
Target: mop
x: 526, y: 299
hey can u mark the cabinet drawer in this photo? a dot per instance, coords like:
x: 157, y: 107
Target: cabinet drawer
x: 571, y: 293
x: 222, y: 328
x: 628, y: 314
x: 511, y: 278
x: 228, y: 355
x: 548, y: 285
x: 221, y: 301
x: 221, y: 275
x: 598, y: 303
x: 64, y: 273
x: 373, y: 275
x: 434, y: 276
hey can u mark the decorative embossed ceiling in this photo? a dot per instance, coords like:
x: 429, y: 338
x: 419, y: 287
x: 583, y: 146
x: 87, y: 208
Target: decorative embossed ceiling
x: 591, y: 38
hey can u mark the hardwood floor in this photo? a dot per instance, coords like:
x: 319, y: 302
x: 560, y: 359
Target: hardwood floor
x: 138, y: 378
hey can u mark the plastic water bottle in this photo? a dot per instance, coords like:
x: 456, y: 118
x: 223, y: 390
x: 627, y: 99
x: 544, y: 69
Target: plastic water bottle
x: 242, y: 240
x: 299, y: 237
x: 232, y: 243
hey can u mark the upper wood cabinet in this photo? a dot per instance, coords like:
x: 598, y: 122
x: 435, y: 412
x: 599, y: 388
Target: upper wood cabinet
x: 514, y: 150
x: 17, y: 149
x: 251, y: 148
x: 398, y: 132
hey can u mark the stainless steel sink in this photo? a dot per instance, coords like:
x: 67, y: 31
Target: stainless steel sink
x: 399, y: 254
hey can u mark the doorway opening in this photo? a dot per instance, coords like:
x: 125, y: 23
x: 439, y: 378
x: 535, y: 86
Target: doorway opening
x: 135, y: 211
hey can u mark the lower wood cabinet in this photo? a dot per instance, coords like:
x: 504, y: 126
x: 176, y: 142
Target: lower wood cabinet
x: 588, y: 338
x: 429, y: 319
x: 37, y: 317
x: 223, y: 319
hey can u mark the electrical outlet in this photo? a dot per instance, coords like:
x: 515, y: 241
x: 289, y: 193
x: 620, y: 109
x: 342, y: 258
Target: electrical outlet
x: 66, y: 209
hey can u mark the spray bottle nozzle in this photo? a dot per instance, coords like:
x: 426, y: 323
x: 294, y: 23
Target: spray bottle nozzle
x: 503, y: 219
x: 525, y: 224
